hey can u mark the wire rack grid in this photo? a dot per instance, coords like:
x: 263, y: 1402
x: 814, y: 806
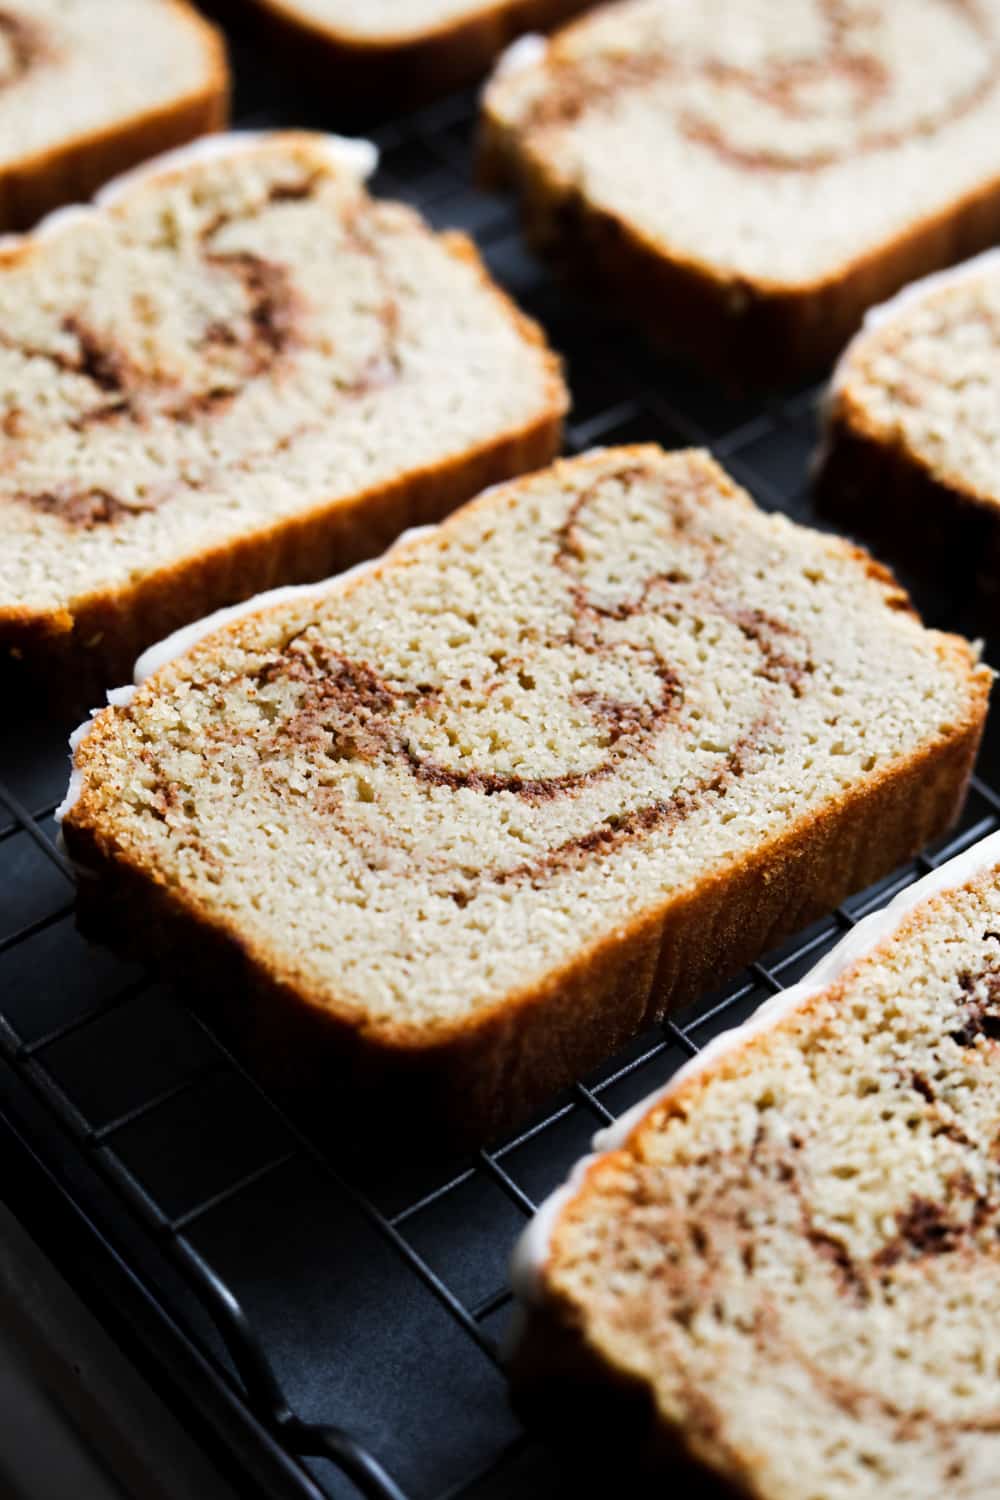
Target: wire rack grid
x: 358, y: 1316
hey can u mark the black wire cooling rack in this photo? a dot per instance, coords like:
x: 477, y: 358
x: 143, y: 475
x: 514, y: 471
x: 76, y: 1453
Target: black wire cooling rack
x: 337, y: 1331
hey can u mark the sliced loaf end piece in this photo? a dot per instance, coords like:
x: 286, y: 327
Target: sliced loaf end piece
x: 781, y: 1269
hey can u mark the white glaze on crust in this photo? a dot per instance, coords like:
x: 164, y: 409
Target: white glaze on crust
x: 531, y: 1251
x: 181, y: 641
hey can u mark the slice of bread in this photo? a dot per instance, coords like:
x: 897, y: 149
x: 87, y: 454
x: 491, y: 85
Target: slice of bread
x: 468, y: 822
x: 748, y: 176
x: 240, y: 370
x: 784, y: 1267
x: 911, y: 448
x: 401, y: 52
x: 90, y: 87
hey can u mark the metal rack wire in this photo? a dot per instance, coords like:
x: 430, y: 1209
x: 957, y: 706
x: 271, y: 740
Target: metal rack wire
x: 357, y: 1316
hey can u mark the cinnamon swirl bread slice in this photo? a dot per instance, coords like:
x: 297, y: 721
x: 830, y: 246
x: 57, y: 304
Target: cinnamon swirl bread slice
x: 784, y: 1267
x: 466, y: 823
x: 911, y: 447
x: 748, y: 176
x: 240, y: 370
x: 90, y: 87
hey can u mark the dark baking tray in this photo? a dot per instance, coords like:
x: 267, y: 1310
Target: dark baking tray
x: 326, y: 1329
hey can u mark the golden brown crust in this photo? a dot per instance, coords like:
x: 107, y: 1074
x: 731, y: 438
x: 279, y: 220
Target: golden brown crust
x: 365, y: 73
x: 876, y: 486
x: 93, y: 644
x: 72, y: 171
x: 474, y: 1079
x: 746, y: 333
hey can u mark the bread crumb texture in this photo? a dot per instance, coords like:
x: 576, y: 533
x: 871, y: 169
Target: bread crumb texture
x: 797, y: 1253
x: 927, y: 382
x: 773, y: 140
x: 237, y: 344
x: 72, y: 68
x: 574, y: 701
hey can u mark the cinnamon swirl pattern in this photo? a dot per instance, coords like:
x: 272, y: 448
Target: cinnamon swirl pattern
x: 561, y: 719
x: 237, y: 316
x: 747, y: 176
x: 817, y: 1211
x: 241, y: 367
x: 789, y: 88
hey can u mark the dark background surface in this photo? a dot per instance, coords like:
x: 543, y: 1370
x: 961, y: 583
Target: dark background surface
x: 263, y: 1285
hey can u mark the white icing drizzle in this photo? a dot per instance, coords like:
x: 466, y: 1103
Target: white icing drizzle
x: 526, y: 52
x: 76, y: 739
x: 181, y: 641
x: 531, y: 1251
